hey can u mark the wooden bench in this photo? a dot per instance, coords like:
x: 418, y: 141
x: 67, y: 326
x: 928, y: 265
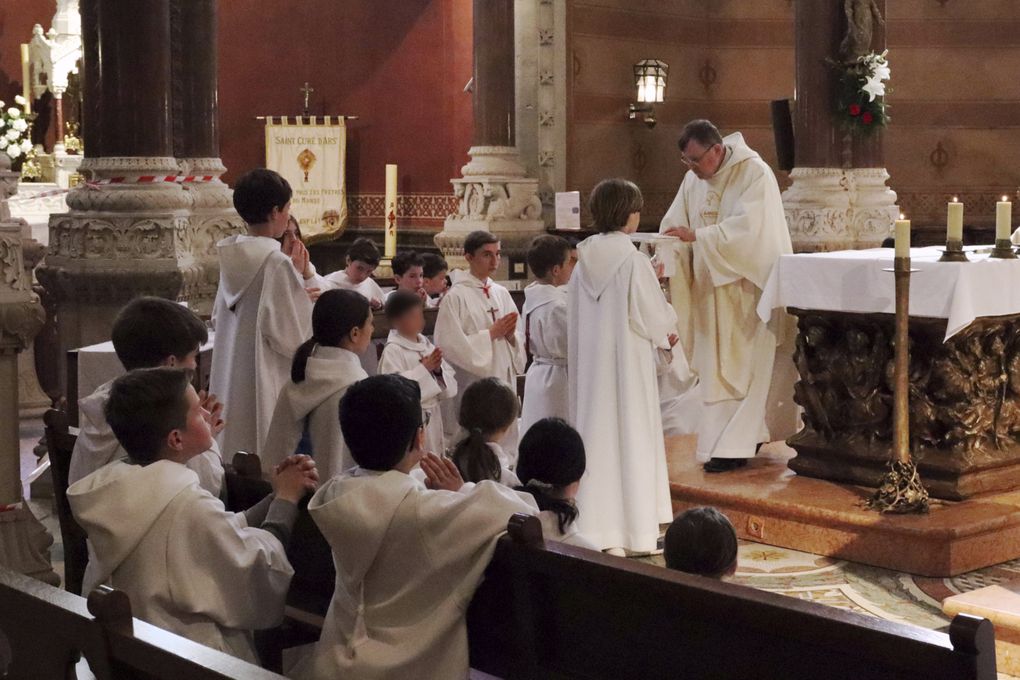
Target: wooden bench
x: 44, y: 631
x: 548, y: 610
x: 60, y: 440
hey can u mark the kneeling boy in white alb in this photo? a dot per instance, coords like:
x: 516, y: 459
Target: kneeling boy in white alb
x: 408, y: 558
x: 187, y: 564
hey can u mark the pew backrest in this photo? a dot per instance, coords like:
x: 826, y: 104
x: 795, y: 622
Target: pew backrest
x: 548, y: 610
x: 60, y: 440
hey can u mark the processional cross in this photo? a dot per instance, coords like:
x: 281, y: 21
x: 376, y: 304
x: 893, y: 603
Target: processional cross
x: 307, y: 90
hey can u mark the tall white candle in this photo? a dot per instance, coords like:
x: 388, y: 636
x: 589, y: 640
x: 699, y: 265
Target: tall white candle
x: 902, y: 237
x: 26, y: 86
x: 1003, y: 220
x: 954, y: 221
x: 390, y: 248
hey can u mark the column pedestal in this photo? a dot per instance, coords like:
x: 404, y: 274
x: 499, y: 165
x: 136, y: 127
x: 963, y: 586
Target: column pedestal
x: 836, y: 209
x: 494, y: 195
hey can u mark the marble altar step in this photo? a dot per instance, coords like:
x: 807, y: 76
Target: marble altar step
x: 769, y: 503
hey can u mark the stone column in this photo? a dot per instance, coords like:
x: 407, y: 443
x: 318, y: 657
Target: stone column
x: 838, y: 198
x: 132, y: 236
x: 495, y: 194
x: 24, y: 542
x: 196, y: 138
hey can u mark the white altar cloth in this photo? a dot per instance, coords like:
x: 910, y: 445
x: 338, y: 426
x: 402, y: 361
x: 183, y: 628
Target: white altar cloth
x: 856, y: 281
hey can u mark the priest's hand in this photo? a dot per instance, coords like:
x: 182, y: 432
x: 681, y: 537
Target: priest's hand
x: 433, y: 361
x: 685, y: 234
x: 441, y: 473
x: 504, y: 327
x: 213, y: 412
x: 295, y: 476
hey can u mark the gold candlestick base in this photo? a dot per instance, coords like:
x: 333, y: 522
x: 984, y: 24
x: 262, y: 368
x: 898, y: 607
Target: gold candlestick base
x: 954, y: 252
x: 1003, y: 250
x: 901, y: 490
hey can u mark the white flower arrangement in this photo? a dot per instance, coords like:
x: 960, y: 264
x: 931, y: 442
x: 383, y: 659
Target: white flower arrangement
x: 860, y: 94
x: 16, y: 128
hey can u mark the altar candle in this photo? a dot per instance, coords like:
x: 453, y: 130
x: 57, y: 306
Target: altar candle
x: 391, y: 211
x: 26, y: 86
x: 954, y: 221
x: 1003, y: 220
x: 902, y: 237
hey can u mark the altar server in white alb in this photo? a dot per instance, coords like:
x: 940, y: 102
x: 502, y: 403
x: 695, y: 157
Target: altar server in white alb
x: 543, y: 323
x: 410, y: 354
x: 261, y: 315
x: 618, y: 316
x: 188, y: 565
x: 477, y: 326
x: 729, y: 214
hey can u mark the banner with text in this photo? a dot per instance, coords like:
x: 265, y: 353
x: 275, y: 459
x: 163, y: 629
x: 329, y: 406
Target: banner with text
x: 311, y: 156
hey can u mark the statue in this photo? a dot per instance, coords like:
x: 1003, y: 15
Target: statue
x: 861, y: 17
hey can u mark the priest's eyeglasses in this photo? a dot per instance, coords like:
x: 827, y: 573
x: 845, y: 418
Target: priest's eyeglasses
x: 689, y: 162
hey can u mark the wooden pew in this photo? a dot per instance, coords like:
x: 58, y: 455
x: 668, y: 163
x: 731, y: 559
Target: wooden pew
x: 554, y: 611
x: 43, y: 630
x: 60, y: 440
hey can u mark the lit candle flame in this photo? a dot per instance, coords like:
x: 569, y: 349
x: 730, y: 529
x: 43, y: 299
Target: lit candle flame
x: 902, y: 216
x: 1005, y: 198
x: 955, y: 199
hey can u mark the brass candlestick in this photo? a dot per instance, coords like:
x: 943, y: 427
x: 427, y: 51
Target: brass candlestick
x: 1003, y: 249
x: 954, y: 252
x: 901, y: 490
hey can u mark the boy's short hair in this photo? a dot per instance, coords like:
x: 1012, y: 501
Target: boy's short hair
x: 258, y: 192
x: 611, y: 203
x: 702, y: 131
x: 477, y: 239
x: 363, y: 250
x: 432, y: 264
x: 701, y: 541
x: 379, y: 418
x: 406, y: 259
x: 144, y: 406
x: 399, y: 302
x: 545, y: 252
x: 150, y: 329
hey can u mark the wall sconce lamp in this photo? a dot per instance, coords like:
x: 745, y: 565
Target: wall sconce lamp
x: 650, y: 77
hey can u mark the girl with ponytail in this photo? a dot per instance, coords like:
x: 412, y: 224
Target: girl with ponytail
x: 550, y: 465
x: 488, y: 408
x: 306, y: 417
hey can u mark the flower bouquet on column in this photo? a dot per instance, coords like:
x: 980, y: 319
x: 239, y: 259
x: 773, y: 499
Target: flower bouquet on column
x: 860, y: 93
x: 16, y: 133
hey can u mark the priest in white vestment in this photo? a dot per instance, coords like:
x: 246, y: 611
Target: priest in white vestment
x: 617, y: 317
x: 262, y: 314
x: 477, y: 326
x: 729, y: 214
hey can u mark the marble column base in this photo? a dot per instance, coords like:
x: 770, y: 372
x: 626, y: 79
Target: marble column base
x: 494, y: 195
x: 835, y: 209
x: 25, y: 545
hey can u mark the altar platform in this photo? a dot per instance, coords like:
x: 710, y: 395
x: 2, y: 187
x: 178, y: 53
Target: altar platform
x: 769, y: 503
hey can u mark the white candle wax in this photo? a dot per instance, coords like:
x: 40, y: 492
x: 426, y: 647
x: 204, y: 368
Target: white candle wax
x: 390, y: 214
x: 902, y: 238
x: 954, y: 221
x: 1003, y: 220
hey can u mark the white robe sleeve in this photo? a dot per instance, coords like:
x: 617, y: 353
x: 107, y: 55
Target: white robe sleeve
x: 518, y: 357
x: 651, y: 316
x: 450, y: 378
x: 473, y: 352
x: 676, y: 216
x: 396, y: 360
x: 285, y: 317
x: 459, y: 530
x: 234, y: 574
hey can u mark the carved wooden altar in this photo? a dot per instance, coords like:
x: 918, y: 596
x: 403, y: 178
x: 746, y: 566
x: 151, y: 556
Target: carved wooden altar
x: 964, y: 401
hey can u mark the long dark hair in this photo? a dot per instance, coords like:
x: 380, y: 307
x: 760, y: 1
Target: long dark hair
x: 551, y: 456
x: 336, y: 314
x: 487, y: 407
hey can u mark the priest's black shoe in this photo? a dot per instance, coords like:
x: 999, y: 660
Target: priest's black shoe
x: 724, y: 464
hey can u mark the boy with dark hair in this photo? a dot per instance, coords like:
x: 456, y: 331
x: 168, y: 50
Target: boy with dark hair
x: 386, y: 619
x: 362, y: 259
x: 408, y: 268
x: 410, y: 354
x: 187, y: 564
x: 262, y: 312
x: 434, y: 278
x: 543, y: 324
x: 148, y: 332
x: 701, y: 541
x: 477, y: 325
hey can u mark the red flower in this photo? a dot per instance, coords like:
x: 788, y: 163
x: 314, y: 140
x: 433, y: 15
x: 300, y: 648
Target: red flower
x: 867, y: 118
x: 855, y: 109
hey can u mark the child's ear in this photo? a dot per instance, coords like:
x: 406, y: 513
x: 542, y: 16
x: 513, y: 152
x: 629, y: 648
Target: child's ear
x: 174, y: 440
